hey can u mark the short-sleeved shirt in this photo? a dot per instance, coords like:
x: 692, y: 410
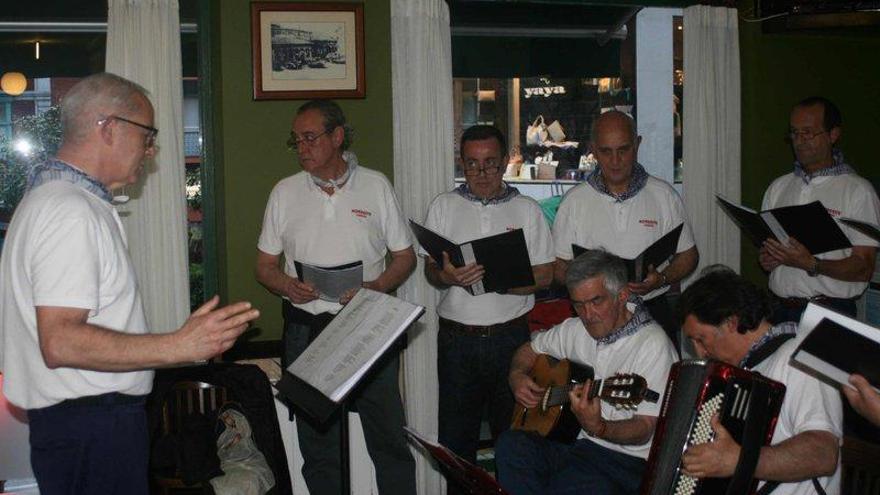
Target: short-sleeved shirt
x: 647, y: 352
x: 594, y: 220
x: 460, y: 220
x: 360, y: 221
x: 67, y: 248
x: 845, y: 195
x: 809, y: 404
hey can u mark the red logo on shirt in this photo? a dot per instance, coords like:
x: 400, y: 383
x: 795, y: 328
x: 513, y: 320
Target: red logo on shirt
x: 647, y: 222
x: 361, y: 213
x: 834, y: 213
x: 511, y: 227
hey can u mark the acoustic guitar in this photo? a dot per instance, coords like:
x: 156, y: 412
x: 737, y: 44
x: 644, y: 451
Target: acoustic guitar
x: 552, y: 418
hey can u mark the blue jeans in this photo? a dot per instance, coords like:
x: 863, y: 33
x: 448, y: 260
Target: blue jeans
x: 90, y: 449
x: 529, y: 464
x: 377, y: 399
x: 472, y: 373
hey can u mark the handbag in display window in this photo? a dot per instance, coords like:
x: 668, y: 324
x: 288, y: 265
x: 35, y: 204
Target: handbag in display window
x: 537, y: 133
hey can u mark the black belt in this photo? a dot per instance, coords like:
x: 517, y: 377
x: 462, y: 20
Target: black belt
x: 482, y: 330
x: 109, y: 399
x: 801, y: 302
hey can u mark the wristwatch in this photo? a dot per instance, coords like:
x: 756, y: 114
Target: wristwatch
x: 814, y: 270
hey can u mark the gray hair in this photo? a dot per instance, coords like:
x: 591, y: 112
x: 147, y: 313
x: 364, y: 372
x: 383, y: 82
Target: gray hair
x: 627, y: 118
x: 333, y: 118
x: 594, y: 263
x: 95, y: 97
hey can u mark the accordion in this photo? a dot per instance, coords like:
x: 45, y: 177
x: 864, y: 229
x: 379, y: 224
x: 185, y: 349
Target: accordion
x: 748, y: 405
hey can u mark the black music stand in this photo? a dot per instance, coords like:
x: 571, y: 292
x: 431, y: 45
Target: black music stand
x: 318, y: 406
x: 468, y: 476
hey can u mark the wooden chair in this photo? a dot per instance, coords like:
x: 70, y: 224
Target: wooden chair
x: 860, y: 465
x: 186, y: 398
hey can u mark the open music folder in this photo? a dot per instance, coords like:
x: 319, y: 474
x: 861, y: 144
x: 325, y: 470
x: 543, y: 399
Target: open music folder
x: 869, y: 229
x: 469, y: 477
x: 323, y: 375
x: 656, y: 255
x: 810, y: 224
x: 331, y: 282
x: 837, y: 346
x: 504, y: 256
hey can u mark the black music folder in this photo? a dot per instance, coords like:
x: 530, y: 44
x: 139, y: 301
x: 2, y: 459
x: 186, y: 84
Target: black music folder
x: 474, y: 480
x: 504, y: 256
x: 656, y: 255
x: 869, y: 229
x: 837, y: 346
x: 810, y: 224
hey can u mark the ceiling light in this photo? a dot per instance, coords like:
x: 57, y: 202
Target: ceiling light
x: 37, y: 48
x: 13, y: 83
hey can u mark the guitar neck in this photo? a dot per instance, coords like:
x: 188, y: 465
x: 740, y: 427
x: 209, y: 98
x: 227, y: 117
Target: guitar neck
x: 559, y: 394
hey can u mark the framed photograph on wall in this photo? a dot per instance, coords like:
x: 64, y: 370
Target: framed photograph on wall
x: 307, y: 50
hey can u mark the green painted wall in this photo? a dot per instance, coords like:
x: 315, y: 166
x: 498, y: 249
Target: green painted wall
x: 778, y: 70
x: 254, y: 156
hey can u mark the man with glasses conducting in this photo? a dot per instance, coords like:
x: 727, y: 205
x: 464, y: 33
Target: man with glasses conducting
x: 337, y: 212
x: 837, y: 278
x: 479, y: 334
x: 75, y: 348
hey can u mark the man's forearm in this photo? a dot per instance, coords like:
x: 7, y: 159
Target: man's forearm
x: 634, y: 431
x: 855, y: 268
x: 809, y: 454
x: 682, y: 265
x: 399, y: 268
x: 92, y: 347
x: 560, y: 266
x: 273, y: 278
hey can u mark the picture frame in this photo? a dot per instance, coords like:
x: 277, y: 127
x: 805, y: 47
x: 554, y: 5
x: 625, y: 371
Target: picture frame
x: 304, y: 50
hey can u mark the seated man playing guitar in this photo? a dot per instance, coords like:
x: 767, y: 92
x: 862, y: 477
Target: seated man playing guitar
x: 613, y: 334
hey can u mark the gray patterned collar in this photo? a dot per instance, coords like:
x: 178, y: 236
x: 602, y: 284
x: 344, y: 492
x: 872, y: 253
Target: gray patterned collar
x: 639, y: 319
x: 839, y: 167
x: 55, y: 169
x: 786, y: 327
x: 351, y: 163
x: 637, y: 181
x: 507, y: 193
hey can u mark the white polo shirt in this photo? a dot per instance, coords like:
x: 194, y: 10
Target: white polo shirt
x: 648, y: 352
x: 846, y: 195
x: 594, y: 220
x: 461, y: 220
x: 360, y: 221
x: 809, y: 404
x: 65, y: 247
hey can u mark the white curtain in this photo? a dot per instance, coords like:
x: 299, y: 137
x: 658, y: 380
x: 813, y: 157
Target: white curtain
x: 711, y: 129
x: 423, y: 167
x: 143, y: 44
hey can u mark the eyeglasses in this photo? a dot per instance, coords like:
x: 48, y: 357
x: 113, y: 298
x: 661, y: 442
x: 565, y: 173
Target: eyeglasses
x: 295, y: 141
x: 491, y: 166
x: 152, y: 132
x: 805, y: 135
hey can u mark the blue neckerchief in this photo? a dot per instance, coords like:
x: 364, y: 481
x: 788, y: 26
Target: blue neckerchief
x: 839, y: 167
x: 637, y: 181
x: 351, y: 163
x: 55, y: 169
x: 507, y: 193
x: 639, y: 319
x: 783, y: 328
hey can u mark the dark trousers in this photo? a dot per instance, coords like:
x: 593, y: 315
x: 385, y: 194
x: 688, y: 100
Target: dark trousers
x: 377, y: 399
x: 529, y: 464
x: 661, y: 312
x: 472, y: 371
x: 99, y: 449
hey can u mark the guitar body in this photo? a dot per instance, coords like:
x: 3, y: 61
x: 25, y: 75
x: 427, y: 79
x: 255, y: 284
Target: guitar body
x: 556, y: 423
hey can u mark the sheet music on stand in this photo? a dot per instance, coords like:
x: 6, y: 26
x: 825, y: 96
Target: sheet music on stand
x: 365, y: 328
x: 473, y: 479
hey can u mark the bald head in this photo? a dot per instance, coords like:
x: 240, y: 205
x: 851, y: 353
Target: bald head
x: 613, y: 120
x: 97, y: 97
